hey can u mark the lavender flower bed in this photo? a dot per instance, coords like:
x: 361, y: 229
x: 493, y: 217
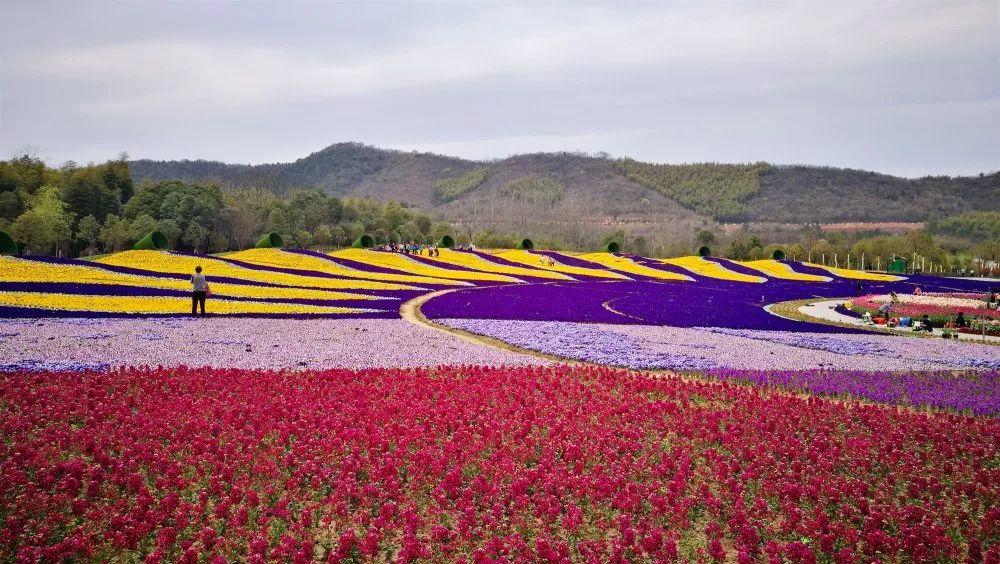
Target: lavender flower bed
x: 938, y: 351
x: 648, y: 347
x: 237, y: 343
x: 858, y: 365
x: 978, y: 393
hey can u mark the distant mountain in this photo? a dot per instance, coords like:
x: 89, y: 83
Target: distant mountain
x: 566, y: 193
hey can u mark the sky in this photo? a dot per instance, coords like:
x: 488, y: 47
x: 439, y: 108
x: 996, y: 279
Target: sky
x: 909, y: 88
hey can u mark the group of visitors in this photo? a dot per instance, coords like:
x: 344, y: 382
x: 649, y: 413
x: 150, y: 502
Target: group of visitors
x: 924, y: 323
x: 410, y: 248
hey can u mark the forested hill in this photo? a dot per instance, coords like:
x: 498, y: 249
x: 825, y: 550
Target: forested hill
x: 573, y: 187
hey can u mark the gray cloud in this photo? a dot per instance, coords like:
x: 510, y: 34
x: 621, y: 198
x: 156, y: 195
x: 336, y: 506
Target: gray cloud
x: 911, y: 88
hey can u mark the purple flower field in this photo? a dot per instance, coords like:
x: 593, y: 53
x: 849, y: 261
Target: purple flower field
x: 884, y: 368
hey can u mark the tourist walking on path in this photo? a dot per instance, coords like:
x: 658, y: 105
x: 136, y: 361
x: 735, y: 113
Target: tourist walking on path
x: 200, y: 286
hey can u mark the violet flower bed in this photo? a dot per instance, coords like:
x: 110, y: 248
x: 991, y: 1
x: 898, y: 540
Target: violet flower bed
x: 977, y: 393
x: 703, y: 303
x: 676, y: 348
x: 884, y: 368
x: 320, y: 343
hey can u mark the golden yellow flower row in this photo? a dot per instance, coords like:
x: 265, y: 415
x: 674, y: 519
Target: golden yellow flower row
x: 25, y: 271
x: 156, y: 304
x: 160, y: 261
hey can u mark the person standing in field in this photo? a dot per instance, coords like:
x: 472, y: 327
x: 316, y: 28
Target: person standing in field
x: 200, y: 286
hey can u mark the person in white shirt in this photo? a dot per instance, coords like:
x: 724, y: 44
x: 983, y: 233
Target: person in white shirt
x: 200, y: 286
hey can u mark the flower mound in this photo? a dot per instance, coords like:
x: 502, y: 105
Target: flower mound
x: 582, y: 464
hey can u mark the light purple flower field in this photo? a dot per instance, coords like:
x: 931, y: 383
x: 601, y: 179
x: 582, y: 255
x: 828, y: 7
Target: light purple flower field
x: 684, y: 348
x: 75, y: 343
x: 883, y: 368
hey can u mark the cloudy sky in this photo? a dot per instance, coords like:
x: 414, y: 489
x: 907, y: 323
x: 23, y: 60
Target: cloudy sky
x: 909, y: 88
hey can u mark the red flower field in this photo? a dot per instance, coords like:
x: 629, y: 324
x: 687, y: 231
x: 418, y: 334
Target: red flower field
x: 481, y: 464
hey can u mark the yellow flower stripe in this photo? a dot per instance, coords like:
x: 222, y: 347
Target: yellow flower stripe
x: 284, y: 259
x: 780, y: 270
x: 711, y: 269
x: 535, y: 261
x: 476, y: 262
x: 29, y: 271
x: 157, y: 304
x: 401, y: 262
x: 856, y: 274
x: 163, y: 261
x: 627, y: 265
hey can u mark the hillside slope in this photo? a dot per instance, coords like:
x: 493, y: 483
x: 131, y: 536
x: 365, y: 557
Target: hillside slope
x: 585, y: 190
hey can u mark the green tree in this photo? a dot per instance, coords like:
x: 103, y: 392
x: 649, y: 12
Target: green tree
x: 705, y: 238
x: 88, y: 232
x: 47, y: 226
x: 323, y: 236
x: 114, y: 234
x: 140, y: 227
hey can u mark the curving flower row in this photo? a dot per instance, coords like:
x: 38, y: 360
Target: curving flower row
x: 320, y: 263
x: 404, y: 263
x: 486, y: 263
x: 177, y: 263
x: 154, y: 305
x: 711, y: 269
x: 630, y: 267
x: 556, y: 262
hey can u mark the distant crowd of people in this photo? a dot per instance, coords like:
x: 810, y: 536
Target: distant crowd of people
x: 412, y: 248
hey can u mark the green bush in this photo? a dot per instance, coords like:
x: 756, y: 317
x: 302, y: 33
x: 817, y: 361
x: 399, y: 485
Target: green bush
x: 778, y: 254
x: 525, y: 245
x: 704, y: 252
x: 613, y: 247
x: 272, y: 240
x: 154, y: 241
x: 7, y: 244
x: 447, y: 242
x: 364, y: 242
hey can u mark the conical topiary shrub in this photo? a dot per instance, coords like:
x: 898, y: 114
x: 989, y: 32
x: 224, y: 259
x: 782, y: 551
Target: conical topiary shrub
x: 613, y: 247
x: 272, y: 240
x: 447, y: 242
x: 704, y: 252
x: 778, y: 254
x: 364, y: 242
x: 7, y: 244
x: 525, y: 245
x: 154, y: 241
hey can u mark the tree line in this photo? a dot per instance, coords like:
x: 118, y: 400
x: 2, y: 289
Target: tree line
x: 85, y: 210
x: 78, y: 210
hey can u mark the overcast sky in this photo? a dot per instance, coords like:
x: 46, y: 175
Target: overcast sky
x: 907, y: 88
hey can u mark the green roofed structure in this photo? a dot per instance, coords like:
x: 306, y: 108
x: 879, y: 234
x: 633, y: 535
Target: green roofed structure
x: 364, y: 242
x: 613, y: 247
x: 525, y: 245
x: 447, y: 242
x: 154, y: 241
x: 272, y: 240
x: 897, y: 265
x: 7, y: 244
x: 704, y: 252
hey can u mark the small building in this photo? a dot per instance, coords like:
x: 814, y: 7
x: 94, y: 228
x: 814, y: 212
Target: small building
x: 897, y: 265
